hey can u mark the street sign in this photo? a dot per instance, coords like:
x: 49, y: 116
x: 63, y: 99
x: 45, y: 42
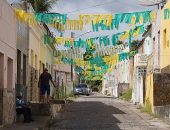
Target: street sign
x: 140, y: 60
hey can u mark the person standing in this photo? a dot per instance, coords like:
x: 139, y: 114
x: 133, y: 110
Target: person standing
x: 44, y: 84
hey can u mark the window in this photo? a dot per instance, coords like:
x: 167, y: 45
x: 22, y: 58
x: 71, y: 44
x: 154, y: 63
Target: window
x: 43, y: 66
x: 18, y: 67
x: 9, y: 74
x: 164, y: 38
x: 32, y: 58
x: 154, y: 44
x: 40, y: 68
x: 1, y: 70
x: 158, y: 47
x: 49, y: 69
x: 24, y: 69
x: 36, y: 62
x: 47, y: 65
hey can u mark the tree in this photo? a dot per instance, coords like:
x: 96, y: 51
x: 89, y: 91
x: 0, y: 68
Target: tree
x: 41, y: 6
x: 135, y: 45
x: 152, y: 3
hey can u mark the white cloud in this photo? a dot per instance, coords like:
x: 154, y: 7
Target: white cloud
x: 75, y: 7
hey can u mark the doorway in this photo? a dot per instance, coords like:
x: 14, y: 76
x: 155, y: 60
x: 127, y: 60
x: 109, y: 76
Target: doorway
x: 1, y: 86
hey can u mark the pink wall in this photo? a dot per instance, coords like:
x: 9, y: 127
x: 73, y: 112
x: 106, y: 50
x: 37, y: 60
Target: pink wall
x: 7, y: 38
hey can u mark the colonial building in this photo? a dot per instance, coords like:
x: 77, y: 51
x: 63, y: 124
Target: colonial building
x: 153, y: 63
x: 22, y: 54
x: 140, y: 63
x: 40, y: 57
x: 33, y: 55
x: 8, y: 40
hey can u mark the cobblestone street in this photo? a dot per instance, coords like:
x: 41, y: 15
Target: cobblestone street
x: 97, y: 112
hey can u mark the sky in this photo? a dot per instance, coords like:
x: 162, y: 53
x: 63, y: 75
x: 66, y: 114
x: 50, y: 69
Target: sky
x: 75, y: 7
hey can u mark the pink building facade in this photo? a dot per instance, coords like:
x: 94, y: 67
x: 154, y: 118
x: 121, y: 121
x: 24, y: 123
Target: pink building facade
x: 7, y: 63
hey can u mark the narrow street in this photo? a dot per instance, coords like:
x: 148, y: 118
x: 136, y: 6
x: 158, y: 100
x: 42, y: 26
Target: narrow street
x: 98, y: 112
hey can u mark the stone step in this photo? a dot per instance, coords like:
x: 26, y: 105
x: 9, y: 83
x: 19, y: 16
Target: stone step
x: 51, y: 109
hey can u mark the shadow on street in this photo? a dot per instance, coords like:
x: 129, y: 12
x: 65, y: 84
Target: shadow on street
x: 88, y: 115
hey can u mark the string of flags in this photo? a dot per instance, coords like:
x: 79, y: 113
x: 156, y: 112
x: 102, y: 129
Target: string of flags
x: 104, y: 21
x: 95, y: 56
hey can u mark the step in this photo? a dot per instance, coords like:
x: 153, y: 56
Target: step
x: 51, y: 109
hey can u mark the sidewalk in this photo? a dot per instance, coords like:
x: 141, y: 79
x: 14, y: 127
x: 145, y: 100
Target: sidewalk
x: 153, y: 121
x: 39, y: 122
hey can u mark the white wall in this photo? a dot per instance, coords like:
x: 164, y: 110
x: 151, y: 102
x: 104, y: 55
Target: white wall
x: 156, y: 26
x: 148, y: 44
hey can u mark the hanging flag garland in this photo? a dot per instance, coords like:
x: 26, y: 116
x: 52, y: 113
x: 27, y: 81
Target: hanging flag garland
x: 166, y: 13
x: 96, y: 18
x: 50, y: 18
x: 105, y: 21
x: 128, y: 18
x: 103, y: 41
x: 25, y: 17
x: 95, y: 56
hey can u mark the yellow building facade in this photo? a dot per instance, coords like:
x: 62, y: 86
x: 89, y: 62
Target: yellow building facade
x: 165, y: 41
x: 40, y: 57
x: 159, y: 61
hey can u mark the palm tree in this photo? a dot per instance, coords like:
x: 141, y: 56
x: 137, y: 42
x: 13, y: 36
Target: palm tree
x: 152, y: 3
x: 41, y: 6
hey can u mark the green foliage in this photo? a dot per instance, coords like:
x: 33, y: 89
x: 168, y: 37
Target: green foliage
x: 95, y: 84
x: 147, y: 108
x: 127, y: 96
x: 41, y: 6
x: 134, y: 45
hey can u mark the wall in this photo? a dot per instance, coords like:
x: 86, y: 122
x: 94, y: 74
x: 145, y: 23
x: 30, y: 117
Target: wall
x: 64, y: 68
x: 62, y: 77
x: 156, y: 28
x: 122, y: 88
x: 153, y: 64
x: 161, y: 88
x: 162, y: 102
x: 165, y: 46
x: 115, y: 83
x: 149, y: 91
x: 148, y: 45
x: 8, y: 55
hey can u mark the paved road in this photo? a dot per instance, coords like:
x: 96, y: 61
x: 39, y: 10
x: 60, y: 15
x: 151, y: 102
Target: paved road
x: 98, y: 112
